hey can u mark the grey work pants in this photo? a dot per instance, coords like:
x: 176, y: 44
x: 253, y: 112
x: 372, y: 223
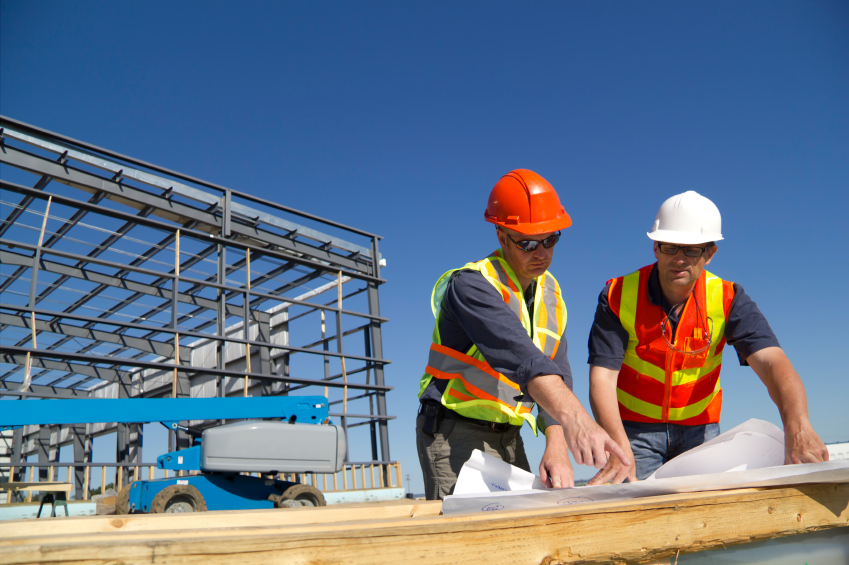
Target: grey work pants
x: 443, y: 454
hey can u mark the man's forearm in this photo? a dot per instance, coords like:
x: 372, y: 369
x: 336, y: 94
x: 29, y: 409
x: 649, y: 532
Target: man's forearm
x: 550, y: 392
x: 604, y: 403
x: 801, y: 442
x: 782, y: 382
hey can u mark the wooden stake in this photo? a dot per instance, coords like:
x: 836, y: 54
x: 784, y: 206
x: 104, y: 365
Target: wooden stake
x: 339, y: 338
x: 176, y: 362
x: 247, y: 317
x: 323, y: 330
x: 86, y: 474
x: 28, y: 362
x: 176, y: 335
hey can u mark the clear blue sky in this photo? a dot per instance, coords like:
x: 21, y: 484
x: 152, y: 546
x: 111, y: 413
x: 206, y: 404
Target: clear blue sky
x: 398, y: 117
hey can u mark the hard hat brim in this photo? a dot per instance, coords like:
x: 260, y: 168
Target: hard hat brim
x: 682, y: 238
x: 550, y: 226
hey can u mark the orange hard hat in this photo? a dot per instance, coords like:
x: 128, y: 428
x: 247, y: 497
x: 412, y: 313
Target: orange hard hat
x: 525, y: 202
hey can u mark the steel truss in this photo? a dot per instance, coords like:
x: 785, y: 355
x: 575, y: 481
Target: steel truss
x: 123, y: 279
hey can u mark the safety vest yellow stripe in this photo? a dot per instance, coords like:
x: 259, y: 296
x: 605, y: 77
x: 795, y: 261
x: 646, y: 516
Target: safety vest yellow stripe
x: 640, y: 406
x: 693, y: 410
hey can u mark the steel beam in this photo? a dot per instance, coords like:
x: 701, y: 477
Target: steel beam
x: 165, y: 208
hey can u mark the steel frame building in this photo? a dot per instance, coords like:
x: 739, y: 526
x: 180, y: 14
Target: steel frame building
x: 122, y: 279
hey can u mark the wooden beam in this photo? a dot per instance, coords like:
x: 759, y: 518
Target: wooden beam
x: 233, y: 518
x: 612, y: 532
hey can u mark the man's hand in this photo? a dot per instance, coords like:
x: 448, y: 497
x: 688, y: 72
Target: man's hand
x: 615, y: 472
x: 801, y: 442
x: 803, y: 445
x: 555, y: 469
x: 590, y: 444
x: 587, y: 441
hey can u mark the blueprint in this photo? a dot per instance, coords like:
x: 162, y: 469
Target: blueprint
x: 750, y: 455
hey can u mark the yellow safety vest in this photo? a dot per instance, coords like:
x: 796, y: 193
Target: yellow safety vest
x: 475, y: 389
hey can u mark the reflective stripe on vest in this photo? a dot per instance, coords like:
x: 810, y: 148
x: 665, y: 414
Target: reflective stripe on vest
x: 478, y: 377
x: 657, y: 384
x: 474, y: 388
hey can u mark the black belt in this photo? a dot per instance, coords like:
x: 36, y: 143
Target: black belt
x: 448, y: 414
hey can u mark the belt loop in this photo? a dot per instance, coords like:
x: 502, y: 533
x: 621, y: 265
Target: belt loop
x: 492, y: 426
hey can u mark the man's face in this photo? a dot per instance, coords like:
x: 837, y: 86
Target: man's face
x: 678, y: 270
x: 526, y: 264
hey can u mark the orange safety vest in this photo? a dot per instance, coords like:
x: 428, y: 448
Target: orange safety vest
x: 657, y: 384
x: 474, y: 388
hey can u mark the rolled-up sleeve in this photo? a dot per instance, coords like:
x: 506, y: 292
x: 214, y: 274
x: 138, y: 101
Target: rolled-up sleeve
x: 746, y: 328
x: 608, y: 339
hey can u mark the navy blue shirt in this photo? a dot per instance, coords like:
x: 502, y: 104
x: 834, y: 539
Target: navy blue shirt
x: 474, y: 312
x: 746, y: 328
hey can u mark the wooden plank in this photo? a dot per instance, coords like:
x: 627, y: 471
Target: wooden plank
x: 46, y: 486
x: 233, y: 518
x: 613, y: 532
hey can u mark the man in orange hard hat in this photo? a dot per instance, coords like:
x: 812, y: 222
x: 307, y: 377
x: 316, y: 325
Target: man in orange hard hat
x: 499, y: 346
x: 656, y: 350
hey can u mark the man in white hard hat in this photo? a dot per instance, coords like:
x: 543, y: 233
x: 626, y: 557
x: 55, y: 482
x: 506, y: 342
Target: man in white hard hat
x: 656, y: 350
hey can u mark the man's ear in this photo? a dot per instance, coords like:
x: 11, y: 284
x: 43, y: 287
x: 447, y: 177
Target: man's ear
x: 654, y: 248
x: 710, y: 253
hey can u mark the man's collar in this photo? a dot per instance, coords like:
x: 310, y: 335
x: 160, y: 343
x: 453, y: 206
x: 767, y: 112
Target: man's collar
x: 656, y: 297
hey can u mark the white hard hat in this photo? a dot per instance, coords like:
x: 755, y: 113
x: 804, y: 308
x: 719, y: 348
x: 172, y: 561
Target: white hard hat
x: 687, y: 218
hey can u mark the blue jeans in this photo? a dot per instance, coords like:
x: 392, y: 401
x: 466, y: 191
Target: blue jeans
x: 655, y: 444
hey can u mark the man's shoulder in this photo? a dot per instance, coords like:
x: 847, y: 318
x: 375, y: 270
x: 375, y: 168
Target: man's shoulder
x: 642, y: 270
x: 468, y: 282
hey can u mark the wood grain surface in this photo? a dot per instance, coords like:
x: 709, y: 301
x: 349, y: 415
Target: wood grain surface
x: 611, y: 532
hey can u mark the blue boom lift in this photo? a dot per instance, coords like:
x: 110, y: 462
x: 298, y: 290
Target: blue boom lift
x: 299, y: 440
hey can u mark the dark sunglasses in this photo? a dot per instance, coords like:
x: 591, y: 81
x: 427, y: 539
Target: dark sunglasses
x: 532, y: 244
x: 689, y: 251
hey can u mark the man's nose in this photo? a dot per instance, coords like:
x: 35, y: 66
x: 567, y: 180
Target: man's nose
x: 540, y: 252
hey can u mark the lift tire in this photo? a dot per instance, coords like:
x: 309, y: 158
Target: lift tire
x: 178, y: 498
x: 299, y: 496
x: 122, y: 501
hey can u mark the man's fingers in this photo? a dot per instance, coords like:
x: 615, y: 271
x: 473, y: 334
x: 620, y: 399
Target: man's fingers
x: 600, y: 457
x: 602, y: 476
x: 543, y: 475
x: 614, y: 448
x: 555, y: 482
x: 578, y: 455
x: 622, y: 474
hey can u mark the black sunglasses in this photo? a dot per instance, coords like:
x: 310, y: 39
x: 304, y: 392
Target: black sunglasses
x: 689, y: 250
x: 532, y: 244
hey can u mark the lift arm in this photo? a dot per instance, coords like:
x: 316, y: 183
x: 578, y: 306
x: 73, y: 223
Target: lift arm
x: 169, y: 411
